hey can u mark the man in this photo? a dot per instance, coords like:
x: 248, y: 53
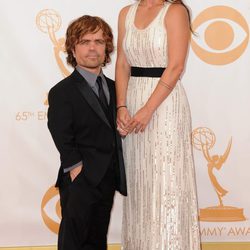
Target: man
x: 82, y: 122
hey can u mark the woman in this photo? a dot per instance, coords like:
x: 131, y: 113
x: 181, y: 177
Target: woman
x: 160, y: 211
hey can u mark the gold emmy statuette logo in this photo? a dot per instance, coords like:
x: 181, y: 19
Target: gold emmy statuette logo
x: 50, y: 222
x: 203, y: 139
x: 219, y: 30
x: 49, y: 21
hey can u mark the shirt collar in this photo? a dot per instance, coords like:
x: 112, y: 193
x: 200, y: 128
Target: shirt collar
x: 89, y: 76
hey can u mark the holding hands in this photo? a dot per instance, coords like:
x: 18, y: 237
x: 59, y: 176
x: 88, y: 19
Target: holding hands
x: 127, y: 124
x: 123, y: 117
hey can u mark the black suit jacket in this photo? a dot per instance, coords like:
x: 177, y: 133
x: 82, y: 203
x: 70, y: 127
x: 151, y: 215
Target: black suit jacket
x: 83, y: 132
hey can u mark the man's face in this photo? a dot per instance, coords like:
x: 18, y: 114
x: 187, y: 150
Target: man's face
x: 90, y: 52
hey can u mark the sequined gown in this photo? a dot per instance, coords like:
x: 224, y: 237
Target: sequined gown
x: 160, y: 211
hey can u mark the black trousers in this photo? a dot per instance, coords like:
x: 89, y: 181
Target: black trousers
x: 85, y: 212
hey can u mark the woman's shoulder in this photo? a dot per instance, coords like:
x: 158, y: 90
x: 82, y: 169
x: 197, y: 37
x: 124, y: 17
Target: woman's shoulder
x: 124, y: 10
x: 177, y: 13
x: 177, y: 9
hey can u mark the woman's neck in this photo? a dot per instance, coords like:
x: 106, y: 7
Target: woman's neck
x: 150, y: 3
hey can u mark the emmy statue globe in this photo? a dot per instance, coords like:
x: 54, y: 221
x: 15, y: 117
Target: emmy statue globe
x: 203, y: 140
x: 49, y: 21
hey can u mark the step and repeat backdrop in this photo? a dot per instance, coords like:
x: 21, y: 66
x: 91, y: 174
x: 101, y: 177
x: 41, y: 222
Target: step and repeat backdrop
x: 217, y: 81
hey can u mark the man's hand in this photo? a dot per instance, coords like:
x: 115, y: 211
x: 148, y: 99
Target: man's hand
x: 74, y: 172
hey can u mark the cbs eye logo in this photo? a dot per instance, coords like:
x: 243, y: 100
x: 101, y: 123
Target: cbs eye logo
x: 222, y: 35
x: 51, y: 209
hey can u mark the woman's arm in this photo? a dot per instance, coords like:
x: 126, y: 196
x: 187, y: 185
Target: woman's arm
x: 122, y: 73
x: 178, y: 36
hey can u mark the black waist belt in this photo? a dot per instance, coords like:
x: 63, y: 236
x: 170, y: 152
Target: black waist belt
x: 146, y: 72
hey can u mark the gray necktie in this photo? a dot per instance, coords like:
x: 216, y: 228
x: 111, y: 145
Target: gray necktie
x: 101, y: 93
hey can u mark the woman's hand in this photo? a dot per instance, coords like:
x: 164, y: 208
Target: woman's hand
x: 139, y: 121
x: 123, y: 118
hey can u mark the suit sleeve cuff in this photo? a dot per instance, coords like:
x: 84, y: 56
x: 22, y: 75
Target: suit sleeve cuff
x: 65, y: 170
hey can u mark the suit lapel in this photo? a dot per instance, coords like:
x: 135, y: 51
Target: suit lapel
x: 112, y: 102
x: 88, y: 94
